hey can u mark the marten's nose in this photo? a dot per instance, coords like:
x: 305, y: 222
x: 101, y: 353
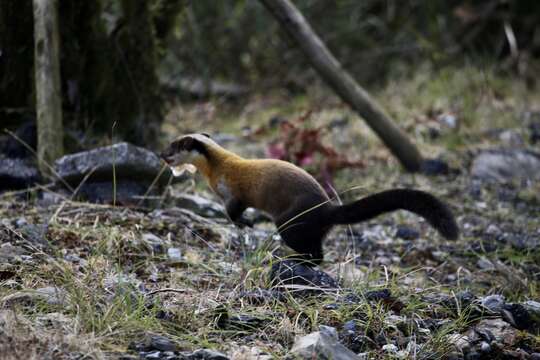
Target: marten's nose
x: 165, y: 155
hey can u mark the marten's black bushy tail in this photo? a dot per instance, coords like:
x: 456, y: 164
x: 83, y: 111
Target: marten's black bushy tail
x: 415, y: 201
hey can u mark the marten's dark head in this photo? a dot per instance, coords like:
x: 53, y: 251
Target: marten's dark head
x: 186, y: 150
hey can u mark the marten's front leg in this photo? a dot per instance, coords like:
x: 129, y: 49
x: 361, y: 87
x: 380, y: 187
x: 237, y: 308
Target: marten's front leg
x: 235, y: 208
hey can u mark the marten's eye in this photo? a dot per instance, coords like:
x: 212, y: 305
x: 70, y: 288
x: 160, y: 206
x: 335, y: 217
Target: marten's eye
x: 176, y: 146
x: 207, y: 135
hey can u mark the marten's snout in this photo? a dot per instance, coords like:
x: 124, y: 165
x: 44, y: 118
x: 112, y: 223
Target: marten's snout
x: 167, y: 155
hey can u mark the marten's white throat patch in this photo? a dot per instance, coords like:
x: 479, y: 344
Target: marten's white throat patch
x: 180, y: 169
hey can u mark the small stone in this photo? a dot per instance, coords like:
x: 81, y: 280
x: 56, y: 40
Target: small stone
x: 162, y: 343
x: 510, y: 138
x: 377, y: 295
x: 289, y: 273
x: 199, y: 205
x: 535, y: 356
x: 206, y: 354
x: 407, y: 233
x: 350, y: 326
x: 10, y: 253
x: 242, y: 322
x: 169, y: 355
x: 493, y: 230
x: 390, y: 348
x: 319, y: 345
x: 152, y: 355
x: 50, y: 294
x: 153, y: 241
x: 493, y: 330
x: 533, y: 308
x: 434, y: 167
x: 328, y: 330
x: 449, y: 120
x: 485, y: 347
x: 494, y: 303
x: 174, y: 254
x: 485, y: 264
x: 250, y: 353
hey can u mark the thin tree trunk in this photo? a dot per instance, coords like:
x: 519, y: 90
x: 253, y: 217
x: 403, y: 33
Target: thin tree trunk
x: 48, y: 93
x: 342, y: 82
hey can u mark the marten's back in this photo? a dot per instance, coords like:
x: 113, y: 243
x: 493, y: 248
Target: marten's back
x: 275, y: 186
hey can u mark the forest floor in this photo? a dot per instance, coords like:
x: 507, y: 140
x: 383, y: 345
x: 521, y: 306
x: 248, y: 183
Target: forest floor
x: 83, y: 280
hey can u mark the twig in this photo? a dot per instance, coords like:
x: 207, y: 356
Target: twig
x: 179, y: 291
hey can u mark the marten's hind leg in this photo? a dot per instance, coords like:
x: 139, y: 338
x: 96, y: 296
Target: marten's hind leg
x: 305, y: 237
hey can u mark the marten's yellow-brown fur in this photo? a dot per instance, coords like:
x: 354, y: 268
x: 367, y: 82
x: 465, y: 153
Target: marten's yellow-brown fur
x: 296, y: 202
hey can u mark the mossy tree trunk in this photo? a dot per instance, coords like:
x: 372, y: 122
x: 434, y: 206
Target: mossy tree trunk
x: 50, y: 142
x: 108, y: 75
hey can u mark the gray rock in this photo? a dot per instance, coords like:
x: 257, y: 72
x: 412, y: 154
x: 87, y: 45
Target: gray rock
x: 502, y: 165
x: 390, y: 349
x: 518, y: 316
x: 494, y: 303
x: 485, y: 264
x: 50, y: 294
x: 154, y: 242
x: 494, y: 330
x: 300, y: 278
x: 129, y: 161
x: 17, y: 174
x: 126, y: 191
x: 200, y: 205
x: 206, y: 354
x: 161, y: 343
x: 448, y: 120
x: 10, y: 253
x: 152, y: 355
x: 321, y: 345
x: 134, y: 169
x: 533, y: 308
x: 485, y: 347
x: 328, y: 330
x: 511, y: 138
x: 174, y: 254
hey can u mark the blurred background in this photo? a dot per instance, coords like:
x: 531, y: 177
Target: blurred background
x: 132, y: 62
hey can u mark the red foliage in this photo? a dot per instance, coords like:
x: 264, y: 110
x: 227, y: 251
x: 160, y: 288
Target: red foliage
x: 303, y: 146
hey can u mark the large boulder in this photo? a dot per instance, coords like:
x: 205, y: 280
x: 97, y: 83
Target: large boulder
x: 127, y: 160
x: 121, y: 171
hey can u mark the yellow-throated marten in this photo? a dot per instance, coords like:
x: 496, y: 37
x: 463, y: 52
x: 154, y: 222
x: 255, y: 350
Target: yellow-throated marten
x: 296, y: 202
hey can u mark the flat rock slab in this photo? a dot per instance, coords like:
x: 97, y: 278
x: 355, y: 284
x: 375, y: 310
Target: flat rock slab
x: 505, y: 164
x: 129, y: 162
